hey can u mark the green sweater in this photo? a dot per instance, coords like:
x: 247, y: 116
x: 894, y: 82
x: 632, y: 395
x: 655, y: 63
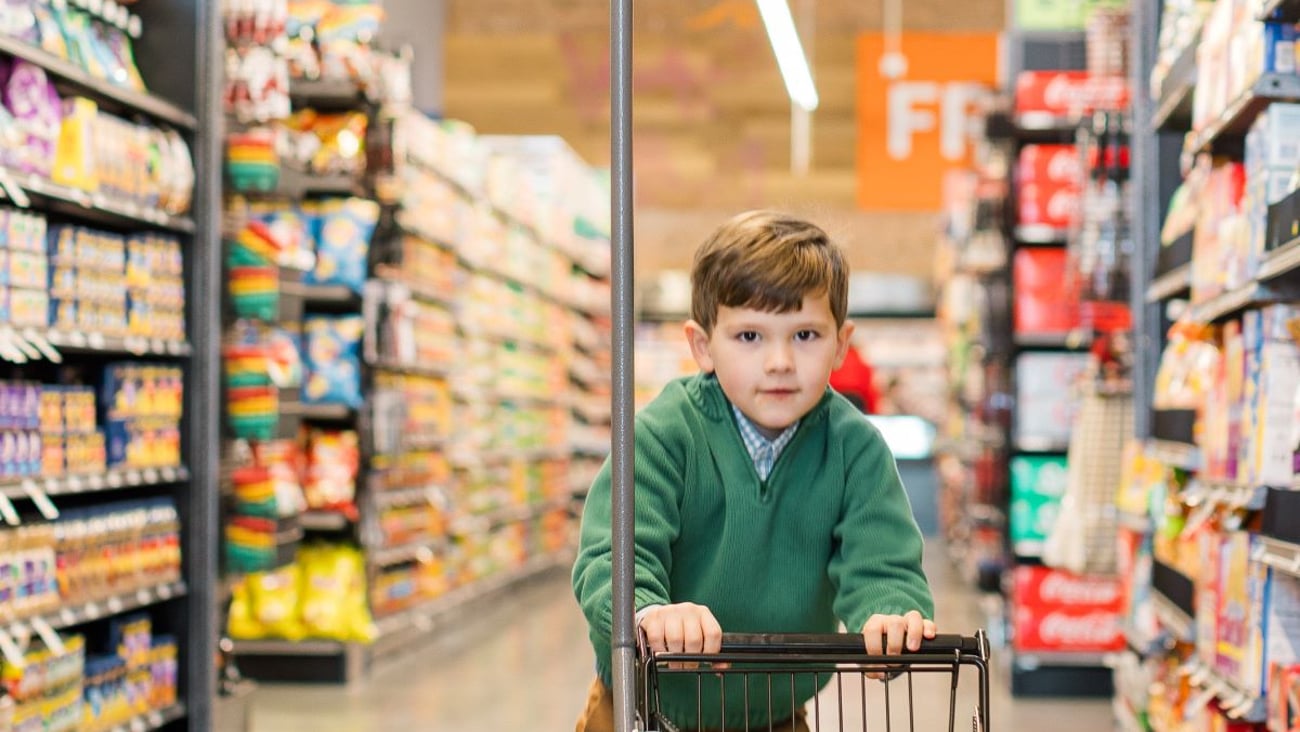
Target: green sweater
x: 829, y: 535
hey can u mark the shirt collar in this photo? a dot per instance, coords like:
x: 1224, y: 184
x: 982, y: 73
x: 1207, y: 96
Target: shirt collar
x: 754, y: 440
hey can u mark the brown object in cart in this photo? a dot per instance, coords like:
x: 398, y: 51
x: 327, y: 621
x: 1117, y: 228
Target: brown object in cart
x: 766, y: 675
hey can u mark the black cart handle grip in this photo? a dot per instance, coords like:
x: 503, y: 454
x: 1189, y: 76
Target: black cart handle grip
x: 847, y: 643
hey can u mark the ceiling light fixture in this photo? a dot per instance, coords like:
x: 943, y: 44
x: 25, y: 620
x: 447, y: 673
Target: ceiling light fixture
x: 790, y: 57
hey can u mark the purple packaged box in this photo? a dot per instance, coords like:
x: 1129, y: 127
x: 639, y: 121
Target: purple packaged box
x: 8, y: 451
x: 35, y: 105
x: 32, y: 406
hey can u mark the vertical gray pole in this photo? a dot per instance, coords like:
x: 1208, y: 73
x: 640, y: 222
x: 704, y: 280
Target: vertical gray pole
x: 1144, y: 187
x: 623, y: 641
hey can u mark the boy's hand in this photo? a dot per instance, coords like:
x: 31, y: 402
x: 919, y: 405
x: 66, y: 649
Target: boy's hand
x: 681, y: 628
x: 889, y: 634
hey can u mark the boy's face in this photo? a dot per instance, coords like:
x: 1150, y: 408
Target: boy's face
x: 773, y: 366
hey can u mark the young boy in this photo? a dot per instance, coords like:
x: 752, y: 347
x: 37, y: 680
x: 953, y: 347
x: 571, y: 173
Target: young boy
x: 764, y: 501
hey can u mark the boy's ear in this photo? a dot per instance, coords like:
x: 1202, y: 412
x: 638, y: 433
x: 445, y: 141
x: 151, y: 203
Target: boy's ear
x: 699, y: 343
x: 845, y: 339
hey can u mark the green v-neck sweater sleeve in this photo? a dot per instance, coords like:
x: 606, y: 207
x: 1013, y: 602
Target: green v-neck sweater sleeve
x: 828, y: 536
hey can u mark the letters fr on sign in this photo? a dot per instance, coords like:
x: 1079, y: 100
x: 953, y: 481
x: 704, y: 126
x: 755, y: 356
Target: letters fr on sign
x: 920, y: 124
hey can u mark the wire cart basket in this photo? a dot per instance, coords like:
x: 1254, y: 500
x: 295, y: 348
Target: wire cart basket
x: 763, y: 677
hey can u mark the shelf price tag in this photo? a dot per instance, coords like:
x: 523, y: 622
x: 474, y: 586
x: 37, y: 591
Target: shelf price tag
x: 114, y: 479
x: 42, y: 344
x: 48, y: 635
x: 30, y: 351
x: 7, y: 511
x: 13, y: 191
x: 115, y: 605
x: 42, y: 501
x: 97, y: 340
x: 164, y: 592
x: 143, y: 598
x: 13, y: 655
x: 67, y: 617
x: 155, y: 720
x: 138, y: 725
x: 9, y: 351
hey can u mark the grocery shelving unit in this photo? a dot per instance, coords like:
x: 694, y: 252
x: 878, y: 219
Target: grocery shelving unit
x: 499, y: 484
x: 177, y: 54
x: 1162, y: 284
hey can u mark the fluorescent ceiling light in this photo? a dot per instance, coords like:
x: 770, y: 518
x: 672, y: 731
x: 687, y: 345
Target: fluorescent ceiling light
x: 789, y: 52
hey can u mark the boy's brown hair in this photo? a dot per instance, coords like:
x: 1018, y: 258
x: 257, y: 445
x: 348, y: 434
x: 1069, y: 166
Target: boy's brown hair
x: 767, y: 261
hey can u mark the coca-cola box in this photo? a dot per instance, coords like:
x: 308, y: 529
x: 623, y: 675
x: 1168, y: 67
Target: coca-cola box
x: 1062, y: 93
x: 1043, y: 302
x: 1058, y: 611
x: 1048, y: 164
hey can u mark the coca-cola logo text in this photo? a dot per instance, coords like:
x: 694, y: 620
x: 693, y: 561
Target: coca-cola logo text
x: 1064, y: 589
x: 1093, y: 629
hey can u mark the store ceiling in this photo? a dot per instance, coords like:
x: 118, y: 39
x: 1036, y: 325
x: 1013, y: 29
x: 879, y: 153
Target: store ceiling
x: 712, y: 119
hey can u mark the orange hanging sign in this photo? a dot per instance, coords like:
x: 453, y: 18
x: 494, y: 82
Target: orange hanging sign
x: 919, y: 123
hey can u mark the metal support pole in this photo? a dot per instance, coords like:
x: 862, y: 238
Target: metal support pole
x: 1147, y: 203
x: 623, y: 641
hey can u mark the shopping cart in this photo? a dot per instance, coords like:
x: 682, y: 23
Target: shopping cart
x: 769, y: 673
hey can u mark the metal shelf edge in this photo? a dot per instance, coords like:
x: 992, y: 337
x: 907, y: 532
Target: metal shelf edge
x: 1171, y: 284
x: 83, y: 484
x: 145, y: 102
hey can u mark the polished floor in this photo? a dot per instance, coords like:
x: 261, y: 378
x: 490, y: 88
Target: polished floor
x: 524, y: 664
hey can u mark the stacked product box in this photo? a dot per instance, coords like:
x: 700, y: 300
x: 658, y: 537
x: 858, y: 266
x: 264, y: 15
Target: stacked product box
x: 20, y: 422
x: 155, y: 282
x: 1219, y: 224
x: 46, y: 688
x: 70, y: 439
x: 114, y: 285
x: 1049, y: 180
x: 1272, y: 378
x: 1272, y: 154
x: 1046, y: 401
x: 1043, y: 304
x: 142, y: 405
x: 1037, y: 485
x: 1235, y: 49
x: 1058, y: 611
x: 24, y: 301
x: 1272, y: 649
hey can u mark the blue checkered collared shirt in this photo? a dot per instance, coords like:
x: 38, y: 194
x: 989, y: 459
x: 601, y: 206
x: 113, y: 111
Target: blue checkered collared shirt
x: 762, y: 451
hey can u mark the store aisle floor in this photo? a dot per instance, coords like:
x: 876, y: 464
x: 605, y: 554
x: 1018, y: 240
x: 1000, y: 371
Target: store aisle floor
x: 524, y: 664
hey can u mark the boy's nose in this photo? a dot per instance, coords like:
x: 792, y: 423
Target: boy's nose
x: 779, y: 359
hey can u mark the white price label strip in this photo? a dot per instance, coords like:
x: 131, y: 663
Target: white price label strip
x: 7, y: 511
x: 43, y: 345
x: 11, y: 651
x: 30, y: 351
x: 42, y: 501
x: 48, y: 634
x: 13, y: 191
x: 9, y: 351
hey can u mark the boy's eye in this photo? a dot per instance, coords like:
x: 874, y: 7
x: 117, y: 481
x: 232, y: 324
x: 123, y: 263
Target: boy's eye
x: 747, y: 336
x: 806, y: 335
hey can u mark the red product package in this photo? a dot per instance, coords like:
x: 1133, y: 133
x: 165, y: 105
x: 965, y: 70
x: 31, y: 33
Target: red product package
x: 1056, y: 588
x: 1048, y: 204
x: 1043, y: 304
x: 1059, y: 164
x: 1057, y: 629
x: 1062, y: 93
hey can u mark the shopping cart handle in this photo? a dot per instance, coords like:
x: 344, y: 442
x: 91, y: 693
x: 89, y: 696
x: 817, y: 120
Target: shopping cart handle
x: 839, y: 643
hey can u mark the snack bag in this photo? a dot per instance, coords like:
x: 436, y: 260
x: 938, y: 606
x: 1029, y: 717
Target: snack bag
x: 332, y: 360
